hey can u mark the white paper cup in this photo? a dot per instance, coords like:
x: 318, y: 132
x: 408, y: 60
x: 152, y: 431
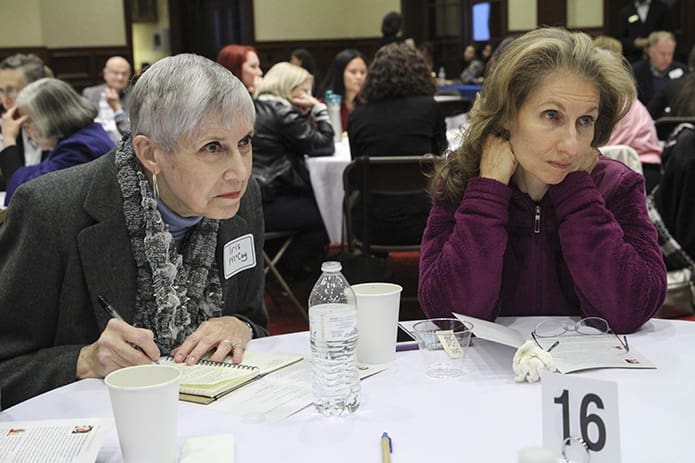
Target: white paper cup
x: 144, y: 400
x: 377, y: 321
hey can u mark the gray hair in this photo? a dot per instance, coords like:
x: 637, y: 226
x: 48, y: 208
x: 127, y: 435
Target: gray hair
x: 55, y: 108
x: 30, y: 65
x: 178, y: 94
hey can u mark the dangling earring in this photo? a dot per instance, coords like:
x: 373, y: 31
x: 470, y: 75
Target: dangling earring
x: 155, y: 188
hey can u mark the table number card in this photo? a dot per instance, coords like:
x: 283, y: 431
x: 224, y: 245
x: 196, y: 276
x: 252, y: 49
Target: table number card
x: 581, y: 408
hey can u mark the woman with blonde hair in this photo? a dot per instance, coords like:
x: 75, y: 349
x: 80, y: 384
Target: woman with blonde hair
x: 528, y: 217
x: 290, y: 123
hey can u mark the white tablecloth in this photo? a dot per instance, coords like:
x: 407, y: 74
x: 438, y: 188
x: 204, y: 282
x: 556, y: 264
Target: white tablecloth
x: 326, y: 173
x: 482, y: 417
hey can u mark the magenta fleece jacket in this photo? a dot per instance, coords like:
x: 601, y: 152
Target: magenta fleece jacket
x: 588, y: 249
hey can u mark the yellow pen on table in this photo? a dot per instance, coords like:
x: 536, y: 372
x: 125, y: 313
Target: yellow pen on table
x: 386, y: 448
x: 111, y: 310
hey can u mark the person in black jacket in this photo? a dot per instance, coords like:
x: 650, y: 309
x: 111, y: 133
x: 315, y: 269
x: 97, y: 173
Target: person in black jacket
x: 291, y: 123
x: 638, y: 19
x: 659, y: 68
x: 399, y: 117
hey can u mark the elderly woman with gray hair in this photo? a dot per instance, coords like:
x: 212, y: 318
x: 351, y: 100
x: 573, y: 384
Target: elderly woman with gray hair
x: 59, y: 121
x: 167, y: 228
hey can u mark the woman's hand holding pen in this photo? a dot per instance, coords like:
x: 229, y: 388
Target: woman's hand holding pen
x: 497, y: 161
x: 223, y: 336
x: 120, y: 345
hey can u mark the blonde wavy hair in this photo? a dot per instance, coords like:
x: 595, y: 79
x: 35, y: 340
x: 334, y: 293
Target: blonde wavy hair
x: 520, y: 70
x: 281, y: 79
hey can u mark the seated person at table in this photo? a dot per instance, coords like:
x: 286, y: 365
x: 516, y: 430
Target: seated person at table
x: 636, y: 129
x: 16, y: 72
x: 658, y: 68
x: 291, y: 124
x: 243, y: 62
x: 149, y: 228
x: 111, y: 98
x: 676, y: 194
x: 399, y: 118
x: 661, y: 104
x: 473, y: 66
x: 528, y: 218
x: 345, y: 77
x: 60, y: 121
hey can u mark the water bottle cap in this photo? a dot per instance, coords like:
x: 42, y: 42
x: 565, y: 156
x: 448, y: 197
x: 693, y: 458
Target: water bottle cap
x: 331, y: 266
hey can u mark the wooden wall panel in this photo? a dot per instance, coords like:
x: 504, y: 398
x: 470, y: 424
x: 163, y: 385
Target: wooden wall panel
x: 80, y: 67
x: 323, y: 50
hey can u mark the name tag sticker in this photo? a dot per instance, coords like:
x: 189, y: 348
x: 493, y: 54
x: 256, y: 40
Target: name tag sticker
x: 239, y: 254
x: 633, y: 19
x: 675, y: 73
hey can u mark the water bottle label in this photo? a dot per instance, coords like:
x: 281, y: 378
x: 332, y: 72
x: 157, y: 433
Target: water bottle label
x: 333, y: 322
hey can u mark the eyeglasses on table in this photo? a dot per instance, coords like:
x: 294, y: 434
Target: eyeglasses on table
x: 586, y: 326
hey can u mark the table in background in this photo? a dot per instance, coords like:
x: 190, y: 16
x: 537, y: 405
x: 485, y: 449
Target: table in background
x: 465, y: 90
x: 326, y: 173
x: 483, y: 416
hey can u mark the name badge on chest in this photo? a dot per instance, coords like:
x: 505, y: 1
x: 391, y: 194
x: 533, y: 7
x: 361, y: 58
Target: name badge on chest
x: 239, y: 254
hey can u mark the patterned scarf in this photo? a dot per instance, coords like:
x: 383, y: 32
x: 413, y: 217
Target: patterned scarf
x: 175, y: 292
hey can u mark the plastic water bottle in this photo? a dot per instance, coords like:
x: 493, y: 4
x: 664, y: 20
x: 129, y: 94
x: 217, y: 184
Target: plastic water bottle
x: 441, y: 74
x: 333, y: 328
x: 333, y: 101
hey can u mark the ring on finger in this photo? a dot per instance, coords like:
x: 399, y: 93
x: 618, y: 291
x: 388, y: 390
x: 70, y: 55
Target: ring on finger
x: 231, y: 345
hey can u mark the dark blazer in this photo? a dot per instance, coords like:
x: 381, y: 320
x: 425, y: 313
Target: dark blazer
x: 645, y: 80
x: 658, y: 19
x: 63, y: 243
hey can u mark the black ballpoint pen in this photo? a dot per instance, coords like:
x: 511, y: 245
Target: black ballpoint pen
x: 111, y: 310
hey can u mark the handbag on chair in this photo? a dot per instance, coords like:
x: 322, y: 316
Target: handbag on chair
x: 680, y: 294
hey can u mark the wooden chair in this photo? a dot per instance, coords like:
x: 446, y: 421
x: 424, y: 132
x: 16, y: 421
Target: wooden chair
x: 387, y: 175
x: 666, y: 124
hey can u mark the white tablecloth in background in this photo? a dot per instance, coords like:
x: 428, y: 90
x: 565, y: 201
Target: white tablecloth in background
x: 326, y: 173
x: 483, y: 416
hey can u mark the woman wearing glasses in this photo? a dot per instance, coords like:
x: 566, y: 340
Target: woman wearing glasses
x: 528, y: 217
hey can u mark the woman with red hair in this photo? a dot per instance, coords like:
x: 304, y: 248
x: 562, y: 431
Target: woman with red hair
x: 243, y: 62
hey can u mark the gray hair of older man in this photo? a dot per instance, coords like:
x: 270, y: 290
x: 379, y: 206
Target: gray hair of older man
x: 30, y: 65
x: 55, y: 108
x: 179, y: 94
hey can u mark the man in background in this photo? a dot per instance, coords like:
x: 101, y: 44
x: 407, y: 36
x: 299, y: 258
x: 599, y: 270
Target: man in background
x: 636, y: 21
x: 111, y: 97
x: 16, y: 72
x: 654, y: 72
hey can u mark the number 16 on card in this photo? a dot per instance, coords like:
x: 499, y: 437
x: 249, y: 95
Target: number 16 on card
x: 580, y: 416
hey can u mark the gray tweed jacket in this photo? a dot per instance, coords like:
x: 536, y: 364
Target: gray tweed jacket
x: 62, y: 244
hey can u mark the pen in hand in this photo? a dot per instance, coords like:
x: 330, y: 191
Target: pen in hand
x: 386, y: 448
x: 111, y: 310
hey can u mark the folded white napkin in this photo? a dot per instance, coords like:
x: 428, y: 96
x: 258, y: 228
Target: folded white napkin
x: 208, y: 449
x: 528, y: 362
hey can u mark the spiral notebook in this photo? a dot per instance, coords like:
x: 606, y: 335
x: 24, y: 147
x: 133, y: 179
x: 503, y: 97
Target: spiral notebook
x: 207, y: 381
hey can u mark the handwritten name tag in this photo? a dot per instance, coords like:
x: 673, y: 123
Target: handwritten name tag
x: 450, y: 344
x: 239, y: 254
x: 675, y: 73
x: 633, y: 19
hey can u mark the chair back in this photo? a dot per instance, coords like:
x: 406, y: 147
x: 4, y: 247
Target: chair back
x: 453, y: 105
x: 625, y: 154
x: 666, y: 124
x: 384, y: 175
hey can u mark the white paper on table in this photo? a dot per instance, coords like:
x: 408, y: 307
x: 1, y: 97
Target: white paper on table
x: 495, y: 332
x: 60, y: 441
x: 277, y: 395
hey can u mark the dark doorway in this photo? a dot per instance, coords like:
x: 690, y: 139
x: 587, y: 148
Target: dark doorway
x: 205, y: 26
